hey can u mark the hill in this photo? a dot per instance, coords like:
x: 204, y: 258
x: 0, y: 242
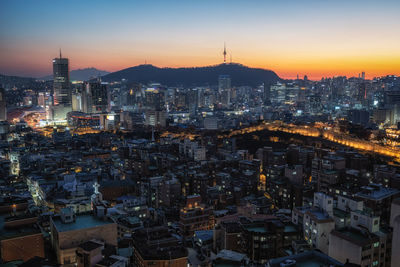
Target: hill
x: 81, y: 74
x: 197, y: 76
x: 11, y: 81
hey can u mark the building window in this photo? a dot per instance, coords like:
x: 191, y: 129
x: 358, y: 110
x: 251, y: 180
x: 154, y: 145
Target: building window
x: 376, y: 244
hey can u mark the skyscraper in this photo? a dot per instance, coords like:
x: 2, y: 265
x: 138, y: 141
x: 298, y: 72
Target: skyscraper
x: 155, y: 98
x: 95, y: 97
x: 156, y: 114
x: 3, y: 108
x: 224, y: 89
x: 224, y: 83
x: 61, y: 86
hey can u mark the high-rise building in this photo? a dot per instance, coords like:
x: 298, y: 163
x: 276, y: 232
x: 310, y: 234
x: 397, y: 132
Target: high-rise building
x: 156, y: 114
x: 155, y: 98
x: 61, y: 86
x: 95, y: 97
x: 224, y: 83
x: 224, y: 89
x: 155, y: 118
x: 3, y: 108
x: 41, y: 100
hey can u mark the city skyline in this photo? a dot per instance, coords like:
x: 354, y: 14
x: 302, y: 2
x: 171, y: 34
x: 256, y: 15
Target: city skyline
x: 290, y: 37
x: 200, y: 133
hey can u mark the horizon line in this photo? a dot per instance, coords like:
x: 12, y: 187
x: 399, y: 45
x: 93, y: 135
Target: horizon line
x: 205, y: 66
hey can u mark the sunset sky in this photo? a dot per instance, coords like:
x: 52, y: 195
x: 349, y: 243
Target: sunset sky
x: 315, y: 38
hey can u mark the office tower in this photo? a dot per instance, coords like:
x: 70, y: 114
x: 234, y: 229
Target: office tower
x: 61, y: 86
x: 277, y: 93
x: 192, y: 100
x: 155, y: 98
x: 3, y: 108
x: 155, y: 115
x: 224, y: 89
x: 224, y: 83
x: 362, y: 92
x: 76, y: 102
x: 156, y: 118
x: 266, y: 89
x: 133, y: 95
x: 358, y: 116
x: 180, y: 100
x: 95, y: 97
x: 41, y: 101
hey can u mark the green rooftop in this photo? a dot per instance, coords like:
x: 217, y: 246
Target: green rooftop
x: 289, y: 229
x: 314, y: 262
x: 81, y: 222
x: 256, y: 229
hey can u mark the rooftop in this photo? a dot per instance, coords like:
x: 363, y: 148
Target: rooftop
x: 81, y: 222
x: 355, y: 236
x: 90, y: 245
x: 257, y: 229
x: 13, y: 232
x: 289, y: 229
x: 307, y: 259
x: 204, y: 235
x: 231, y: 255
x: 317, y: 213
x: 341, y: 214
x: 376, y: 192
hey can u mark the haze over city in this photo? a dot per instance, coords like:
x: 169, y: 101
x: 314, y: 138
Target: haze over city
x: 314, y: 38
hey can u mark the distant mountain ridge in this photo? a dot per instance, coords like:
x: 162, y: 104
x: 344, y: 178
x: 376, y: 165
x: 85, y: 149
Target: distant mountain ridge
x: 196, y: 76
x: 9, y: 81
x: 81, y: 74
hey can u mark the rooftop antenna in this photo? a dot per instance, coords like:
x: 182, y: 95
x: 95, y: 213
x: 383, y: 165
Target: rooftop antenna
x: 60, y: 52
x: 224, y: 53
x: 230, y: 57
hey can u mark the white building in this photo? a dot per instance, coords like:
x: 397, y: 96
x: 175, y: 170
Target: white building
x: 347, y: 204
x: 323, y: 202
x: 155, y: 118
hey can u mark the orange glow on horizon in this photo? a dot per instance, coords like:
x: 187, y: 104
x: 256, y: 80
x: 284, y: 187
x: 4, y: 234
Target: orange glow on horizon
x: 286, y: 66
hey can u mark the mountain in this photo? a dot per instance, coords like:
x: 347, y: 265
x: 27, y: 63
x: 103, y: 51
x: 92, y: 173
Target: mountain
x: 11, y: 81
x: 198, y: 76
x: 81, y: 74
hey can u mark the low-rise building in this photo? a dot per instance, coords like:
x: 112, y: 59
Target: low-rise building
x: 156, y: 247
x: 68, y: 231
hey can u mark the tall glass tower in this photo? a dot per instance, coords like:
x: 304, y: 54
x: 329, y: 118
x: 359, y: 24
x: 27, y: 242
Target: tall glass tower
x: 61, y: 86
